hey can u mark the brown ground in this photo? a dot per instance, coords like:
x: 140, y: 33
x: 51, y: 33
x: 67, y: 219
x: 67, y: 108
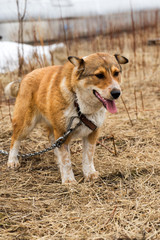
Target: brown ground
x: 123, y: 204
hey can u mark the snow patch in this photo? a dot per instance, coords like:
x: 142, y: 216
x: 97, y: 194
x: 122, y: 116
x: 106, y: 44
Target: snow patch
x: 9, y: 54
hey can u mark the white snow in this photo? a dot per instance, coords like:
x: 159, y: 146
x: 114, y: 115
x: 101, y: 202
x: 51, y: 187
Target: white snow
x: 9, y: 54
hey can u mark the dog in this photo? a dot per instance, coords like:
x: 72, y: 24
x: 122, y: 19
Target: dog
x: 84, y: 87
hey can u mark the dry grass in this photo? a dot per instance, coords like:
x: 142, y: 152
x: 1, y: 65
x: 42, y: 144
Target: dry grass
x: 123, y: 204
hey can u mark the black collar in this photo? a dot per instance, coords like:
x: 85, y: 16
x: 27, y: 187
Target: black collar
x: 83, y: 118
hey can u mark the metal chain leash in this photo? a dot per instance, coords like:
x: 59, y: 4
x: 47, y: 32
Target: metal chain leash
x: 57, y: 143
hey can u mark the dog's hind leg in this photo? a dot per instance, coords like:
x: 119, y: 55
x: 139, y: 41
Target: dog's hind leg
x: 13, y: 161
x: 22, y: 126
x: 49, y: 129
x: 51, y: 138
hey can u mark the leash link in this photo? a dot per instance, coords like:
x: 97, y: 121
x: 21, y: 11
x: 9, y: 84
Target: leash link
x: 57, y: 143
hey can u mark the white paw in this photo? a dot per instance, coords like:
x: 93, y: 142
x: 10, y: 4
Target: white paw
x: 13, y: 163
x: 92, y: 176
x: 69, y: 181
x: 67, y: 174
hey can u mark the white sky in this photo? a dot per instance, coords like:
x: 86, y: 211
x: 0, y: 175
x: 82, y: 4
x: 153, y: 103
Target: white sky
x: 71, y: 8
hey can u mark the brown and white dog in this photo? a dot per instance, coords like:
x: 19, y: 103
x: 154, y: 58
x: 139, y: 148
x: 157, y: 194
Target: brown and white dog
x: 84, y: 86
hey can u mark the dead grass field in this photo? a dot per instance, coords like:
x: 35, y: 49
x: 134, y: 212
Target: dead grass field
x: 124, y: 203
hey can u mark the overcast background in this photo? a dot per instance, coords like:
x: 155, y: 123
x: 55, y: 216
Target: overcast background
x: 46, y: 9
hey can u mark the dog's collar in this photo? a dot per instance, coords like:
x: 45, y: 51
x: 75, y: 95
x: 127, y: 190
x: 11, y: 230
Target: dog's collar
x: 83, y: 118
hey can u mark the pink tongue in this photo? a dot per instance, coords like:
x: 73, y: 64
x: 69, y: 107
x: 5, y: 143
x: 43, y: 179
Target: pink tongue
x: 108, y: 104
x: 111, y: 106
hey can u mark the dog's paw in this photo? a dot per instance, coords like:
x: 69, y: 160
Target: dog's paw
x: 92, y: 176
x: 13, y: 163
x: 69, y: 181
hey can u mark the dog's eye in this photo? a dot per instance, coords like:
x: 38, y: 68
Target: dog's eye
x: 115, y: 74
x: 100, y: 75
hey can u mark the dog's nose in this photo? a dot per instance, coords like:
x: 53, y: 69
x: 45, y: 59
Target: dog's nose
x: 115, y: 93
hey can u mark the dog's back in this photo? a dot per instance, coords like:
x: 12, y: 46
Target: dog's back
x: 33, y: 80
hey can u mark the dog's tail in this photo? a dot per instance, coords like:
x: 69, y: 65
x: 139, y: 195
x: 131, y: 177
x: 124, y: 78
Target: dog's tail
x: 11, y: 90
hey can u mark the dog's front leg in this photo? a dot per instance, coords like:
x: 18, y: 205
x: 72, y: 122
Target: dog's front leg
x: 89, y: 144
x: 64, y: 161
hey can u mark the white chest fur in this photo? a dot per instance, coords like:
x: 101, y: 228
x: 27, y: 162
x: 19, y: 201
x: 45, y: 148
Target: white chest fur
x: 89, y: 106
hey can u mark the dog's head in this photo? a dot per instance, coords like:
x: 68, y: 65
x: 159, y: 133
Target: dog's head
x: 99, y: 76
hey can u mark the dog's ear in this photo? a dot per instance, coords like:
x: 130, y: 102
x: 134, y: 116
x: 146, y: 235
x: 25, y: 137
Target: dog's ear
x: 120, y: 59
x: 77, y: 62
